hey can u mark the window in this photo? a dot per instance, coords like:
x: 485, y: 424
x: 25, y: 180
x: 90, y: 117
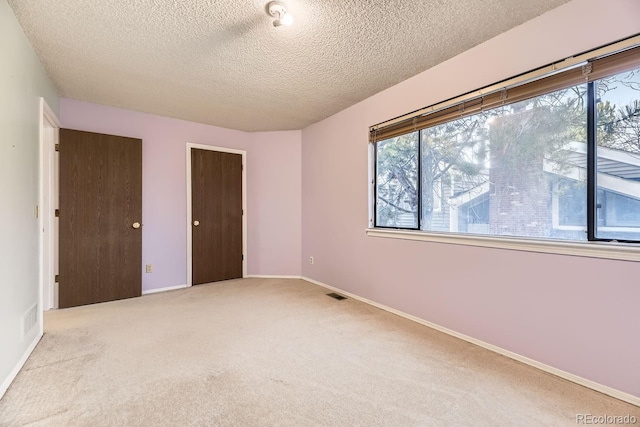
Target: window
x: 521, y: 161
x: 397, y: 182
x: 618, y: 156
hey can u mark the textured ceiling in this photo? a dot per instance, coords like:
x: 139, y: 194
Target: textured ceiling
x: 223, y: 63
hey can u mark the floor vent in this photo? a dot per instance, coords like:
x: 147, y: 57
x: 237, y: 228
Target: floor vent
x: 336, y: 296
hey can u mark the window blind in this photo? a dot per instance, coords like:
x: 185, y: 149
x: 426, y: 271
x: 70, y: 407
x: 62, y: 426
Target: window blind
x: 591, y: 69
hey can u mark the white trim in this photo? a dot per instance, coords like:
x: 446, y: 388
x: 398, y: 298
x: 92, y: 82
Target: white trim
x: 47, y: 120
x: 613, y: 228
x: 372, y: 183
x: 623, y: 186
x: 16, y: 370
x: 629, y: 398
x: 243, y: 153
x: 606, y: 250
x: 267, y: 276
x: 168, y: 288
x: 604, y: 152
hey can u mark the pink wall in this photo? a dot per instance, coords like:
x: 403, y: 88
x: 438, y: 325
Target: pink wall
x: 577, y: 314
x: 273, y: 188
x: 276, y: 203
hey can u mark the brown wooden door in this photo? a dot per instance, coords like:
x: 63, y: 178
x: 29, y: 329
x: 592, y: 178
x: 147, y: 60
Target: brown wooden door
x: 100, y: 217
x: 216, y: 202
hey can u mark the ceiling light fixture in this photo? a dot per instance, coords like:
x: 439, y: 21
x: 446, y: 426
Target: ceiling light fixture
x: 278, y: 10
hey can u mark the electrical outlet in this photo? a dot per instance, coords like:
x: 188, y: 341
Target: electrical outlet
x: 310, y: 260
x: 149, y: 268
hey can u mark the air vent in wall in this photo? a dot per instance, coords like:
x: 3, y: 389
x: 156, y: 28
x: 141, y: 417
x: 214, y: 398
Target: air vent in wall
x: 30, y: 319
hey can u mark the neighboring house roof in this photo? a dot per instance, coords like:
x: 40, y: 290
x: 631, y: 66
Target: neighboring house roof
x: 610, y: 161
x: 618, y: 171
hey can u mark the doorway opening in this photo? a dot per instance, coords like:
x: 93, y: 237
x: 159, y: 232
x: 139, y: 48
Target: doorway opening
x: 48, y: 203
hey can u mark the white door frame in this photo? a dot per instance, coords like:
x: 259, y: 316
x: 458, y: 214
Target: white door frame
x: 190, y: 214
x: 48, y: 200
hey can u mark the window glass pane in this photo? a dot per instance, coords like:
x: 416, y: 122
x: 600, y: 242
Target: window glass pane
x: 518, y: 170
x: 618, y: 167
x: 570, y: 196
x: 397, y: 182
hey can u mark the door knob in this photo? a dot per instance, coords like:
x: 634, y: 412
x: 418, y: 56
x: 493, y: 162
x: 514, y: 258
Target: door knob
x: 196, y: 223
x: 136, y: 225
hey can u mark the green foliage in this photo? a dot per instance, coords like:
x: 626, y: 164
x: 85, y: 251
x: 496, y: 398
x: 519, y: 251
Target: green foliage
x: 397, y: 175
x: 619, y: 128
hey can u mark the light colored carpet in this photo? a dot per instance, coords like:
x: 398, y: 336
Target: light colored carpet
x: 263, y: 352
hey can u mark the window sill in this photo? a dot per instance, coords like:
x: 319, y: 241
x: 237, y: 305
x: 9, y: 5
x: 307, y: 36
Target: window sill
x: 607, y: 250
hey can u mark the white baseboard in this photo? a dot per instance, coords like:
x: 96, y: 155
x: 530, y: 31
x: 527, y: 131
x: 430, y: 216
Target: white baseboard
x: 265, y: 276
x: 168, y: 288
x: 16, y: 370
x: 634, y: 400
